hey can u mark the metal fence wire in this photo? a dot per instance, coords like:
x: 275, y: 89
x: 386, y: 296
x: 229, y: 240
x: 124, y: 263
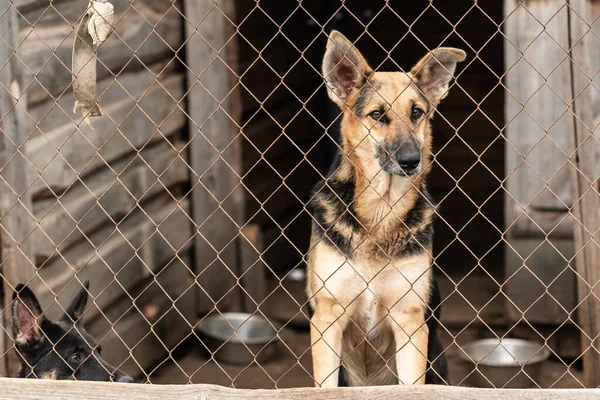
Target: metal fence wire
x: 186, y: 200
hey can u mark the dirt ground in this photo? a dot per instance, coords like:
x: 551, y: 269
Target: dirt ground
x: 292, y: 369
x: 292, y: 365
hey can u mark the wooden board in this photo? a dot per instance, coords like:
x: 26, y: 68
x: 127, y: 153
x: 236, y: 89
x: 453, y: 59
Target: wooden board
x: 116, y: 259
x: 104, y: 214
x: 15, y: 199
x: 106, y: 198
x: 70, y: 151
x: 584, y: 188
x: 537, y: 115
x: 252, y: 269
x: 34, y: 389
x: 143, y: 34
x: 540, y: 284
x: 215, y: 154
x: 139, y: 330
x: 51, y: 114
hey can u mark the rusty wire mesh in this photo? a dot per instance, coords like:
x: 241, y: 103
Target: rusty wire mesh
x: 113, y: 205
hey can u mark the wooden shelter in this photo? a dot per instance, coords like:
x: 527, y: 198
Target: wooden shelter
x: 188, y: 196
x: 103, y: 203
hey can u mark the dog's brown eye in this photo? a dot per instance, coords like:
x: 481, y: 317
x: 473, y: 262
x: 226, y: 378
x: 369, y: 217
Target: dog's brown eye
x: 417, y: 113
x: 376, y: 115
x: 76, y: 357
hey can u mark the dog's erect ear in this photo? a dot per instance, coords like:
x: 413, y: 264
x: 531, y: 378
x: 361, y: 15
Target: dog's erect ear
x: 344, y: 69
x: 27, y: 317
x: 77, y: 307
x: 434, y: 72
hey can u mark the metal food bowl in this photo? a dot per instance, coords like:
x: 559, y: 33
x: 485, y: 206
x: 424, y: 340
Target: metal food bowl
x: 509, y: 363
x: 238, y: 338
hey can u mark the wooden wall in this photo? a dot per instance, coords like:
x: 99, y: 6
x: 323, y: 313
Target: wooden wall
x: 108, y: 200
x: 109, y: 203
x: 539, y: 201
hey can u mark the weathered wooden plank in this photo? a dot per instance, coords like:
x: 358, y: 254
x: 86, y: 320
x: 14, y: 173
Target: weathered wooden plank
x: 116, y: 258
x: 34, y: 389
x: 144, y: 33
x: 26, y: 4
x: 536, y: 110
x: 541, y: 285
x: 70, y: 151
x: 587, y: 207
x: 51, y: 113
x: 594, y: 52
x: 252, y: 269
x: 15, y: 200
x: 532, y: 222
x: 214, y: 152
x: 107, y: 198
x: 139, y: 330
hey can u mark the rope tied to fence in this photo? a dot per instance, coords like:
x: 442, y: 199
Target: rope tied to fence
x: 93, y: 29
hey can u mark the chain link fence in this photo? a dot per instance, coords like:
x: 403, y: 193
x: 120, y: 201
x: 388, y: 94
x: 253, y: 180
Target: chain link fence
x: 187, y: 199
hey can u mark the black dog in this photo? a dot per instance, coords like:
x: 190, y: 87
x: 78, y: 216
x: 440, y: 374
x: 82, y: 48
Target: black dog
x: 61, y: 349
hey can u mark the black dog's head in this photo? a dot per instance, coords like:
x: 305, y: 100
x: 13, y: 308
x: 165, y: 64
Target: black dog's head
x: 61, y: 349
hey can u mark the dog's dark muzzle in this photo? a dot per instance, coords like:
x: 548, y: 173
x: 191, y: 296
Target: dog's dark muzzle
x: 403, y: 158
x: 118, y: 375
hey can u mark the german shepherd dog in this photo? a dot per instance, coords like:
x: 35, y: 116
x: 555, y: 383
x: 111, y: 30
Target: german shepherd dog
x: 61, y: 349
x: 370, y: 284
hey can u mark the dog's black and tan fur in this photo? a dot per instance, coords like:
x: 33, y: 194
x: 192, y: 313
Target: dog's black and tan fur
x: 370, y: 283
x: 57, y: 350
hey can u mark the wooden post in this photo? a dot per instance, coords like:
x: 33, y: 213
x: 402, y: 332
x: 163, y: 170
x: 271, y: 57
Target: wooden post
x: 254, y: 278
x: 16, y: 222
x: 549, y: 113
x: 215, y: 152
x: 537, y: 190
x: 586, y: 207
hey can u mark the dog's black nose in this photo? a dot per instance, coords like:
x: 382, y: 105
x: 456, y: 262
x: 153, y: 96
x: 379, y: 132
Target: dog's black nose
x: 408, y: 161
x: 123, y: 378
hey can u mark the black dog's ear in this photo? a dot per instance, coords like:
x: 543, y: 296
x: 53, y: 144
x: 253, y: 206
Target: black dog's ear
x: 26, y: 317
x: 345, y: 70
x: 434, y: 72
x: 77, y: 307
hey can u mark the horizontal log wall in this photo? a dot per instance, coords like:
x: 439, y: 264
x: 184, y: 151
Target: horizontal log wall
x: 109, y: 199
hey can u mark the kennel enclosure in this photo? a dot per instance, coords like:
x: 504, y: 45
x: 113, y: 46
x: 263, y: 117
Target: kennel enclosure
x: 187, y: 197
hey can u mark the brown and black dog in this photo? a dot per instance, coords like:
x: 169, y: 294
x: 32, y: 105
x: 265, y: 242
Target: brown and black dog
x: 370, y: 283
x: 57, y: 350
